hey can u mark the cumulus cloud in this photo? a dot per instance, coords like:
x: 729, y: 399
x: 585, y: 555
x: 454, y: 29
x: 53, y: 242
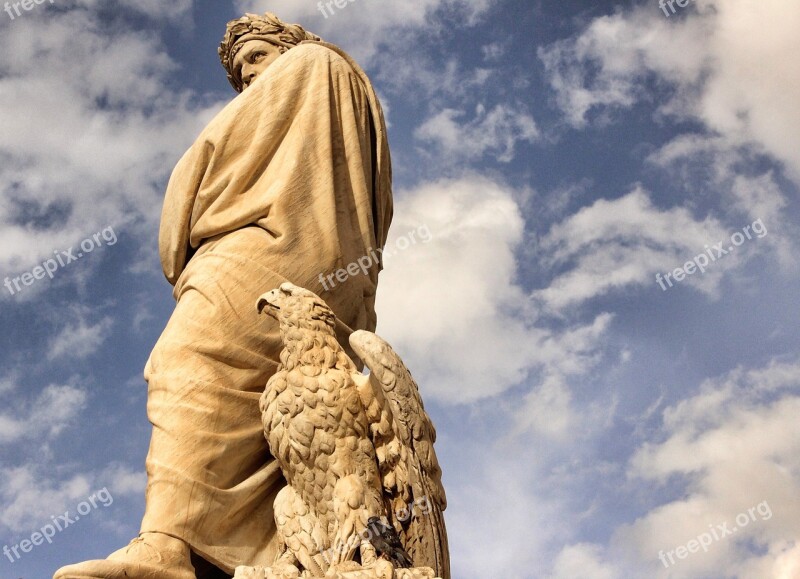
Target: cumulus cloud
x: 712, y: 60
x: 548, y: 409
x: 91, y: 131
x: 30, y: 497
x: 124, y: 481
x: 29, y: 500
x: 734, y: 448
x: 177, y: 10
x: 434, y: 82
x: 455, y: 309
x: 495, y: 510
x: 449, y: 302
x: 711, y: 167
x: 583, y: 560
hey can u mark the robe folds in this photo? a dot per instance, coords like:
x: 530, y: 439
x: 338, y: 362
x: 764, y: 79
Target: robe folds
x: 290, y: 181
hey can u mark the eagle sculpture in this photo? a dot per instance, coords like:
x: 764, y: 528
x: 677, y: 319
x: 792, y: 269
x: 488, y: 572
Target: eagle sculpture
x: 363, y: 482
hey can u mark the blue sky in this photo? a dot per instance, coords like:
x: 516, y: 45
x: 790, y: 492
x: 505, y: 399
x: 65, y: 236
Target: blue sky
x: 561, y: 155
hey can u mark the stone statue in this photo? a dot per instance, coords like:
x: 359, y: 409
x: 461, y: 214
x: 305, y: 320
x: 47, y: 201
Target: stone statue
x: 356, y: 451
x: 292, y: 179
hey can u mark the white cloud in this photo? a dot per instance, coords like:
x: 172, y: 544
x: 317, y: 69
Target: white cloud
x: 47, y: 415
x: 79, y: 340
x: 624, y: 242
x: 363, y: 25
x: 123, y: 481
x: 156, y: 9
x: 30, y: 498
x: 548, y: 409
x: 734, y: 447
x: 712, y: 59
x: 8, y: 383
x: 175, y: 10
x: 56, y: 408
x: 494, y: 509
x: 454, y: 307
x: 91, y: 130
x: 493, y: 50
x: 460, y: 288
x: 494, y: 133
x: 434, y: 82
x: 582, y: 560
x: 711, y: 167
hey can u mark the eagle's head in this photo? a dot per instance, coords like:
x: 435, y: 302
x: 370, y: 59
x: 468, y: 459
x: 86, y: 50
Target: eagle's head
x: 295, y: 307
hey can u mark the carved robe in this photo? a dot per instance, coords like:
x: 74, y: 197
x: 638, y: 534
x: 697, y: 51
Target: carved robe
x: 291, y: 180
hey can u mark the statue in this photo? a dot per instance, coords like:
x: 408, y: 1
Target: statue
x: 355, y: 450
x: 292, y: 179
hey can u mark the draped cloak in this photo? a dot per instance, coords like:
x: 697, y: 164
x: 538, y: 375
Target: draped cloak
x: 291, y: 181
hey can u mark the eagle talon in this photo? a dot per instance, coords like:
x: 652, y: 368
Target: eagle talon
x: 369, y: 557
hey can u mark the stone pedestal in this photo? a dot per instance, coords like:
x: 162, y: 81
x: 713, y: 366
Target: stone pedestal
x: 382, y: 570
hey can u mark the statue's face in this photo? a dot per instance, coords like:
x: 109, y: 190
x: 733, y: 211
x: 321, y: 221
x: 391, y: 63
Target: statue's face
x: 253, y: 58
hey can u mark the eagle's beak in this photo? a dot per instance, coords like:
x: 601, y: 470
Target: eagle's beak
x: 269, y: 300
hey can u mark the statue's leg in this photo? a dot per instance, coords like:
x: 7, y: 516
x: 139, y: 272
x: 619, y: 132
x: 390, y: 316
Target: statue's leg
x: 211, y: 479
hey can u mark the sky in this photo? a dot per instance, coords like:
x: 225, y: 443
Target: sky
x: 602, y: 313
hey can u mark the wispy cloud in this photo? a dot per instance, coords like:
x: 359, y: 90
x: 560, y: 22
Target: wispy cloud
x: 45, y: 416
x: 79, y: 340
x: 733, y: 445
x: 713, y: 61
x: 493, y: 132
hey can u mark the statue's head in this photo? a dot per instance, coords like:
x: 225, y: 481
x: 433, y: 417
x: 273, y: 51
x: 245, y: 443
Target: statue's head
x: 253, y: 42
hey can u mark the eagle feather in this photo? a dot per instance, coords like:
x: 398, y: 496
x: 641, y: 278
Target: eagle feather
x: 351, y: 447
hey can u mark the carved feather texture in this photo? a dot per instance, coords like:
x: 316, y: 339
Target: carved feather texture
x: 349, y: 446
x: 417, y: 477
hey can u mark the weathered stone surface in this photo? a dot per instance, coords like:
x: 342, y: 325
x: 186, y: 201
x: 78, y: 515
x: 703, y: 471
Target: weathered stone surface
x: 383, y: 570
x: 356, y: 451
x: 273, y: 190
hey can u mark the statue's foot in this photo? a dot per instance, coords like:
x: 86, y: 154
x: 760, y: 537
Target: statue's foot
x: 149, y: 556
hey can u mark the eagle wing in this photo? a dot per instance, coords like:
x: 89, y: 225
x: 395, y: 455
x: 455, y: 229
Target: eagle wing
x: 403, y: 436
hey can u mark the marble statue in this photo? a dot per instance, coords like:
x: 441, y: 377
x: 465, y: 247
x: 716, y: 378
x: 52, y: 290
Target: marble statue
x: 290, y: 180
x: 356, y: 451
